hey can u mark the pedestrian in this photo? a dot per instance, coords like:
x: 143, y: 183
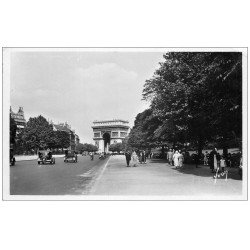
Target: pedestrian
x: 128, y: 157
x: 140, y: 157
x: 229, y: 160
x: 134, y: 159
x: 170, y: 156
x: 214, y: 157
x: 176, y: 159
x: 223, y: 164
x: 196, y: 160
x: 206, y: 155
x: 181, y: 159
x: 91, y: 156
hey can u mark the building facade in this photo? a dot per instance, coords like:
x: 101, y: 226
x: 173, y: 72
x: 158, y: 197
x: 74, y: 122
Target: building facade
x: 74, y: 139
x: 108, y: 132
x: 19, y: 119
x: 77, y: 140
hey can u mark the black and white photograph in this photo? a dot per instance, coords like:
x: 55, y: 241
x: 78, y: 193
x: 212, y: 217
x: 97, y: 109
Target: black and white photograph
x: 125, y: 123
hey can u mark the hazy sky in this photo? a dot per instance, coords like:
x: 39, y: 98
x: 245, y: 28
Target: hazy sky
x: 80, y: 87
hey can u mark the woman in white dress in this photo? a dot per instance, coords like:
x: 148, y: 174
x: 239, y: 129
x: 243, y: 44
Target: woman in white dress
x: 134, y: 159
x: 176, y: 159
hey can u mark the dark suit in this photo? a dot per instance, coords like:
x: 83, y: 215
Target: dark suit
x: 128, y: 157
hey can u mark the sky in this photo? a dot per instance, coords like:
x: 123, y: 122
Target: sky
x: 79, y: 87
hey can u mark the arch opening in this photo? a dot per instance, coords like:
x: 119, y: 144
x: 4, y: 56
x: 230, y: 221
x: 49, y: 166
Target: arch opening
x: 106, y: 138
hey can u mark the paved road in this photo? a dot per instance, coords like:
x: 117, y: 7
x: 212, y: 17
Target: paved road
x: 29, y: 178
x: 111, y: 177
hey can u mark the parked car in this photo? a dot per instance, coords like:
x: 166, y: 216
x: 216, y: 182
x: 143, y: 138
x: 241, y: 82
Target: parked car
x: 45, y: 157
x: 70, y: 156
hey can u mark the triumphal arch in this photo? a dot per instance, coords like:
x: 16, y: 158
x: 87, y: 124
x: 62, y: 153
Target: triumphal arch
x: 107, y: 132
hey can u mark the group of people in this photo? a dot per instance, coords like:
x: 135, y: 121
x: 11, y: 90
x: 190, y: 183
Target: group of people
x: 218, y: 163
x: 135, y: 158
x: 175, y: 158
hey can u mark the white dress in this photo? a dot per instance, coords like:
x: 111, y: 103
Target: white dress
x: 181, y: 158
x: 215, y: 162
x: 176, y: 160
x: 134, y: 159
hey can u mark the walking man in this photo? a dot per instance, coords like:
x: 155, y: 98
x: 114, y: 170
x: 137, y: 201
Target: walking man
x: 170, y: 156
x: 196, y: 159
x: 128, y: 157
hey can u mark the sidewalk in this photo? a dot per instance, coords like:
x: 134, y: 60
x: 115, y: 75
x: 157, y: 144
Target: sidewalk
x: 31, y: 157
x: 158, y: 178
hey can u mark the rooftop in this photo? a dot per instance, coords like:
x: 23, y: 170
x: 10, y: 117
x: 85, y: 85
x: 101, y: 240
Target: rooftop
x: 110, y: 121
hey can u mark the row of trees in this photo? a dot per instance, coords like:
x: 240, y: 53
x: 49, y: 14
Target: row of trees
x: 196, y: 99
x: 38, y: 134
x: 116, y: 147
x: 86, y: 147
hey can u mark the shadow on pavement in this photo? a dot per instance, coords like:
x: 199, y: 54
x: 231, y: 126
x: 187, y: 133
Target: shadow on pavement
x: 203, y: 171
x: 206, y: 172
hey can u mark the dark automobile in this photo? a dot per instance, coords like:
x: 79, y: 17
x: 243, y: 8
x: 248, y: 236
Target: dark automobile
x: 44, y: 157
x: 70, y: 156
x: 12, y: 158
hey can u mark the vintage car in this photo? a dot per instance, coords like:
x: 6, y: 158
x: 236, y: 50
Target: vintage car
x: 12, y: 158
x: 44, y: 157
x: 70, y: 156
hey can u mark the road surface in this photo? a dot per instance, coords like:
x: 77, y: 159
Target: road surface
x: 111, y: 177
x: 29, y: 178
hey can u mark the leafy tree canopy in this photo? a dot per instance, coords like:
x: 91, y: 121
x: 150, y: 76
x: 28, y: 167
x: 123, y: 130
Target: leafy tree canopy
x: 195, y: 97
x: 38, y: 133
x: 116, y: 147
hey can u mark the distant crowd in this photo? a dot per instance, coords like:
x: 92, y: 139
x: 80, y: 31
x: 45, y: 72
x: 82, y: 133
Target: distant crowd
x: 213, y: 159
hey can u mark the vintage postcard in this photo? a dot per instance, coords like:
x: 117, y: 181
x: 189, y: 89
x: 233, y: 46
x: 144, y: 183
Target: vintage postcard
x: 125, y: 124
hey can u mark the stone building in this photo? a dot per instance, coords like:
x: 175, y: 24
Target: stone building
x: 77, y: 140
x: 108, y: 132
x: 67, y: 128
x: 19, y: 119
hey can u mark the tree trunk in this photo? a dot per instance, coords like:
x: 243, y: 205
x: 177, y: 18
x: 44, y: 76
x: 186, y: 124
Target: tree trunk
x: 162, y: 151
x: 225, y: 151
x: 200, y: 146
x: 237, y: 141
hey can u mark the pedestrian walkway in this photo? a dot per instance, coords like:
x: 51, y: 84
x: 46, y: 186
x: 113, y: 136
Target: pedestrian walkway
x: 157, y: 179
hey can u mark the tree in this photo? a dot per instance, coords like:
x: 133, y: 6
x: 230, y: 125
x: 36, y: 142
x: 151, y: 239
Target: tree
x: 89, y: 147
x: 80, y: 147
x: 116, y: 147
x: 196, y: 97
x: 13, y: 128
x: 144, y: 132
x: 61, y: 139
x: 38, y: 134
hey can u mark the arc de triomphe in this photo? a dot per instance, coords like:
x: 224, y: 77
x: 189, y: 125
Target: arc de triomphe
x: 107, y: 132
